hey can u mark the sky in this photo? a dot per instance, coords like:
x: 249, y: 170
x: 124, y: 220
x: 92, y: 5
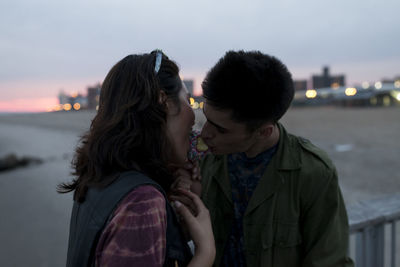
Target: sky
x: 47, y: 45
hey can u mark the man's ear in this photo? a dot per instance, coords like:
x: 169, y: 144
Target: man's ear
x: 266, y: 130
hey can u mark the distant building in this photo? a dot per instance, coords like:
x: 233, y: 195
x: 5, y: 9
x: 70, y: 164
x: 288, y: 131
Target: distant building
x: 386, y: 80
x: 79, y: 99
x: 326, y: 80
x: 63, y: 98
x: 300, y: 85
x: 93, y: 95
x: 189, y: 85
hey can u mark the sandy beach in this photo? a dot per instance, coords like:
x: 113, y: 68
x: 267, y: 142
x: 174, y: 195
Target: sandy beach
x: 363, y: 144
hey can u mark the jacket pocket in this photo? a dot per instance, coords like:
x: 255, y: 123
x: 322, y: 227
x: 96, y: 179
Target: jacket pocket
x: 281, y: 245
x: 281, y: 234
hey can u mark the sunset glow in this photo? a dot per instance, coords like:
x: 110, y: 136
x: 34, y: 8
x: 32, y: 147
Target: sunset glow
x: 39, y: 95
x: 28, y: 104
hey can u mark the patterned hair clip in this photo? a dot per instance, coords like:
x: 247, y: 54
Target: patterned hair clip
x: 158, y: 61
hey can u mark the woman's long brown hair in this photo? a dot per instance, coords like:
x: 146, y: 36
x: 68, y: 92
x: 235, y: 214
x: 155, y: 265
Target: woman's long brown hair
x: 129, y: 130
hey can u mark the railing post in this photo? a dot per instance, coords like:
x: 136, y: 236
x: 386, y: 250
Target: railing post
x: 360, y: 249
x: 393, y: 255
x: 374, y: 244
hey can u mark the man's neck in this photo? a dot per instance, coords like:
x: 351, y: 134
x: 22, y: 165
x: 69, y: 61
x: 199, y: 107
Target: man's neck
x: 264, y: 144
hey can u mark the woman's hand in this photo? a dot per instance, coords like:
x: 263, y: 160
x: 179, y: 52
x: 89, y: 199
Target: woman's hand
x: 187, y: 177
x: 198, y: 223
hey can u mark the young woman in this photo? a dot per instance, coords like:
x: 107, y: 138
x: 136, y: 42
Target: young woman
x: 121, y: 216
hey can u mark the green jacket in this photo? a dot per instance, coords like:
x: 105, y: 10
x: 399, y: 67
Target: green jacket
x: 296, y: 215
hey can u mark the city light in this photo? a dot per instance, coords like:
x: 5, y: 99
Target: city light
x: 350, y: 91
x: 311, y: 93
x: 378, y: 85
x: 67, y: 107
x: 58, y: 107
x: 196, y: 105
x: 395, y: 95
x: 365, y: 85
x: 335, y: 85
x: 77, y: 106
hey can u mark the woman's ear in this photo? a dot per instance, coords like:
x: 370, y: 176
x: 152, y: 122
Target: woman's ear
x: 162, y: 98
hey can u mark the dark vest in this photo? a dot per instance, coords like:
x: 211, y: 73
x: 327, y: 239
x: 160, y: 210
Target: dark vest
x: 89, y: 218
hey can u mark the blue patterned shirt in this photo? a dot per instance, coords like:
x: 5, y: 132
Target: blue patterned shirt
x: 244, y: 174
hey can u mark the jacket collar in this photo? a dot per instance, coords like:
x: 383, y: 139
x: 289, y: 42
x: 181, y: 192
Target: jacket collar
x: 288, y: 153
x: 287, y: 158
x: 220, y: 174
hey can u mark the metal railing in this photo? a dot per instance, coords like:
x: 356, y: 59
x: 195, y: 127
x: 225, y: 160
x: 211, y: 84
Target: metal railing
x: 373, y: 233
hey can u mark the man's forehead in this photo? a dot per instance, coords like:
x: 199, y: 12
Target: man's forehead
x: 213, y: 111
x: 218, y: 116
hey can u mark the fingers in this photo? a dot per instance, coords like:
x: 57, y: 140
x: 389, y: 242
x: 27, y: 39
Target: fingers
x: 182, y: 179
x: 191, y: 169
x: 186, y: 202
x: 184, y: 213
x: 196, y: 187
x: 190, y: 200
x: 196, y: 171
x: 182, y: 183
x: 180, y: 172
x: 197, y: 204
x: 187, y: 178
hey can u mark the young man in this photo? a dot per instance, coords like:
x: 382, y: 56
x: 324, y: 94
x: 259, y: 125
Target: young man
x: 273, y: 197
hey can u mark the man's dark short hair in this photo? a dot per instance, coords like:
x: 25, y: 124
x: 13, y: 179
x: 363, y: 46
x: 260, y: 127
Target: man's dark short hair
x: 258, y: 88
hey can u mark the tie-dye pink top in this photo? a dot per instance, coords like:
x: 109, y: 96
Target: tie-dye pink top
x: 136, y: 234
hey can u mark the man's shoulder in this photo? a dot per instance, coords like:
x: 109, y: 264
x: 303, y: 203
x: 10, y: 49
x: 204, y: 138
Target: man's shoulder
x: 316, y: 170
x: 311, y: 155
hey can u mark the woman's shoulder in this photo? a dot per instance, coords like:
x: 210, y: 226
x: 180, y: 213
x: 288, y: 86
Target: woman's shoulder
x: 142, y: 198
